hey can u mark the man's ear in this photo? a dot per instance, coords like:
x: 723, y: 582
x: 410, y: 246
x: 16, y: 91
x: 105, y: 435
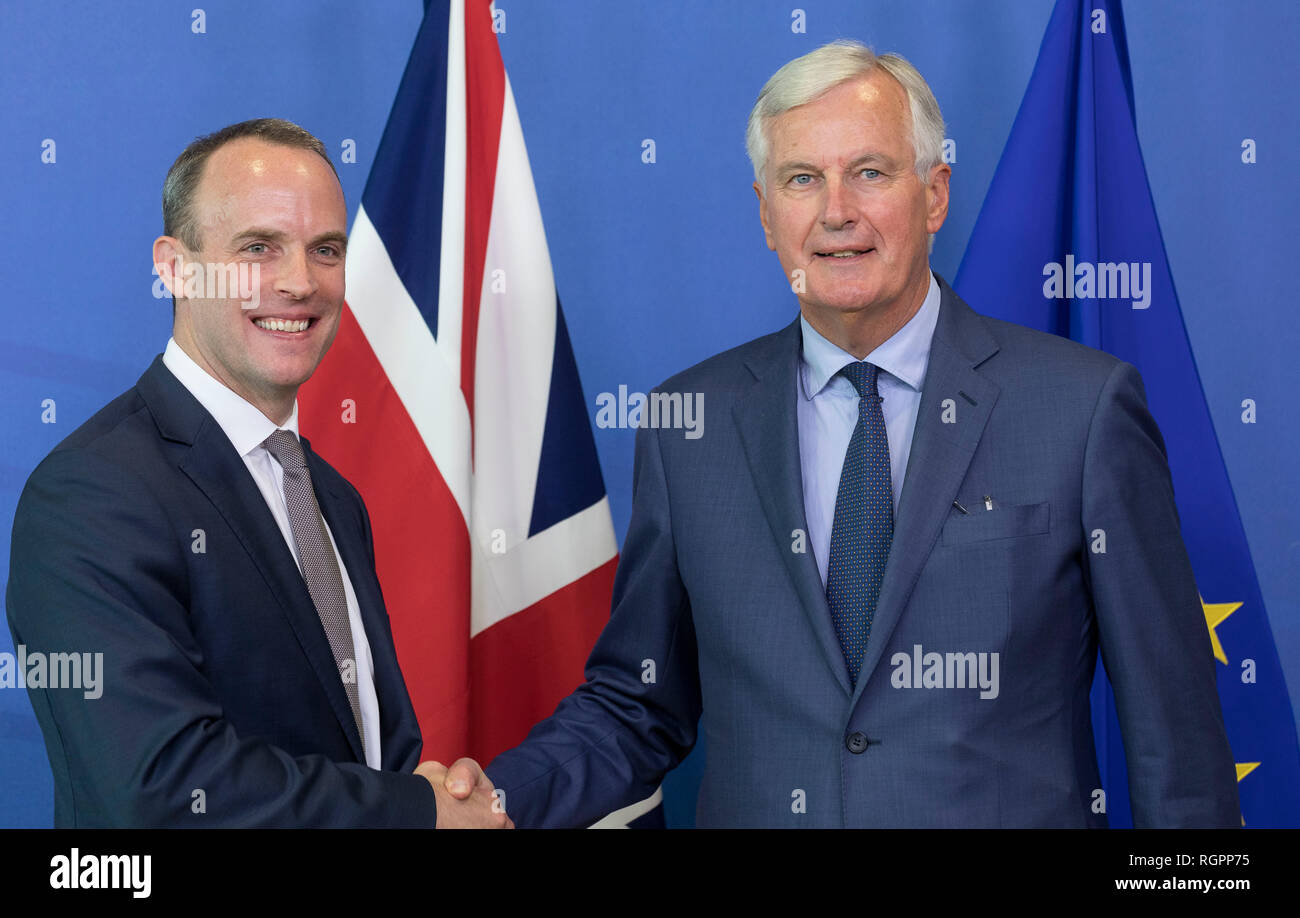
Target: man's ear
x: 168, y: 261
x: 936, y: 197
x: 762, y: 216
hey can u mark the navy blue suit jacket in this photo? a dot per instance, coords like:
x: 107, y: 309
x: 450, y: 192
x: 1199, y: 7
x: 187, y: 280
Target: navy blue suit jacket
x: 143, y: 536
x: 720, y: 618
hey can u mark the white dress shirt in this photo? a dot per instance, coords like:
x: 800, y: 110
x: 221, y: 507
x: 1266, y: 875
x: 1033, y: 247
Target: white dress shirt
x: 828, y: 412
x: 247, y: 428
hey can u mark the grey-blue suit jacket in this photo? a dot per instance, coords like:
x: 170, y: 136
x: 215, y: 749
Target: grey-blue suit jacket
x: 719, y: 618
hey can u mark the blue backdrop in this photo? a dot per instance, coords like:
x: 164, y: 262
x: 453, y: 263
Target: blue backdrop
x: 658, y: 264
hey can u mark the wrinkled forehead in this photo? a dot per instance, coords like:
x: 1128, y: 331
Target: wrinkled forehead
x: 868, y: 114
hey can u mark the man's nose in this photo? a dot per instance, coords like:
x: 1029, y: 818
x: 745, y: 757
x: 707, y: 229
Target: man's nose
x: 294, y: 278
x: 838, y: 206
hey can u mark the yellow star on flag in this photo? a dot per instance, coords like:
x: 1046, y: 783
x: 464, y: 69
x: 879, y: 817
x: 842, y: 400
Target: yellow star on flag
x: 1243, y: 768
x: 1215, y: 614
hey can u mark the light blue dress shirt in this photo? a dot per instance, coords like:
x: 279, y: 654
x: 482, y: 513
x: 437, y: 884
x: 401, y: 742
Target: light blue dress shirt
x: 828, y: 412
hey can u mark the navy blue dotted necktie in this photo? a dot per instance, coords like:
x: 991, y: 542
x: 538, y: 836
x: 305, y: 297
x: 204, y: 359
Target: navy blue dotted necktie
x: 864, y: 523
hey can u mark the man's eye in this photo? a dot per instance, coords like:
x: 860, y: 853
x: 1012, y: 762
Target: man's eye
x: 328, y: 251
x: 256, y: 248
x: 802, y: 179
x: 870, y: 173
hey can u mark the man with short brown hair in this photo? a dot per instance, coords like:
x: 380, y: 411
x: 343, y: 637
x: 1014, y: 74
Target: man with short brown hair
x: 225, y: 571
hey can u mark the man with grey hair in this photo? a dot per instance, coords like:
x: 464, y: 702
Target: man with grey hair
x: 871, y: 583
x: 224, y: 571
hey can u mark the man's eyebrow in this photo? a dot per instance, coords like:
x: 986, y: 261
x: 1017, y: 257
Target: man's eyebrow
x: 261, y: 232
x: 335, y: 236
x: 869, y: 157
x: 258, y: 232
x: 873, y: 157
x: 796, y: 167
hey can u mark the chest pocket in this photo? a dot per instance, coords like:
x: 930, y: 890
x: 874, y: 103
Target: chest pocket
x: 1002, y: 522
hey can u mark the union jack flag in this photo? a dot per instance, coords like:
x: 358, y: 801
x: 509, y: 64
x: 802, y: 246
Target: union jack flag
x: 451, y: 399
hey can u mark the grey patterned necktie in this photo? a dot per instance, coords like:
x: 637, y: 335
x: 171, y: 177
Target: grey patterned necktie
x: 320, y: 567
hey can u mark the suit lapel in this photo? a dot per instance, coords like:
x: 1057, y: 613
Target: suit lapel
x: 941, y: 453
x: 214, y: 466
x: 769, y: 429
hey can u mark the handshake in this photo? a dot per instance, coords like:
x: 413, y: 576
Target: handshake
x: 465, y: 796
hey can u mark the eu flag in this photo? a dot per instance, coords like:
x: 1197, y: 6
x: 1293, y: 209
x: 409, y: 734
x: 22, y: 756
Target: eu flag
x: 1068, y: 242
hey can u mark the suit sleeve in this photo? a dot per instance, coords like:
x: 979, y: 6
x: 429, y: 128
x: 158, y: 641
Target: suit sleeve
x: 1152, y: 631
x: 95, y: 568
x: 609, y: 744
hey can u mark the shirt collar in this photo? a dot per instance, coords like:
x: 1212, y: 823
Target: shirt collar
x: 244, y: 424
x: 904, y: 356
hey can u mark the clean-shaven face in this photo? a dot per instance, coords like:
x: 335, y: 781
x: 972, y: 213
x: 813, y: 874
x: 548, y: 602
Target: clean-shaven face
x: 843, y: 204
x: 279, y: 208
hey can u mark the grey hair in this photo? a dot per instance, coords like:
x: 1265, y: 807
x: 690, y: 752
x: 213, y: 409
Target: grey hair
x: 183, y: 177
x: 807, y: 77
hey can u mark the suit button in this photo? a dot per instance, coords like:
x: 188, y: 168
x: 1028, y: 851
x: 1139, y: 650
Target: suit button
x: 857, y: 743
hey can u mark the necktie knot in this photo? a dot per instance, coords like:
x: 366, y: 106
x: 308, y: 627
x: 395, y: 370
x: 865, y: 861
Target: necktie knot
x: 863, y: 376
x: 286, y: 449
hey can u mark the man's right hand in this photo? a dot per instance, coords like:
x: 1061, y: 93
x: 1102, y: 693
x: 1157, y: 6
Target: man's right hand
x: 477, y: 808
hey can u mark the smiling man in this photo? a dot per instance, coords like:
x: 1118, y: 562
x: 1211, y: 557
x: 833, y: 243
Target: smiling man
x: 223, y: 569
x: 871, y: 584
